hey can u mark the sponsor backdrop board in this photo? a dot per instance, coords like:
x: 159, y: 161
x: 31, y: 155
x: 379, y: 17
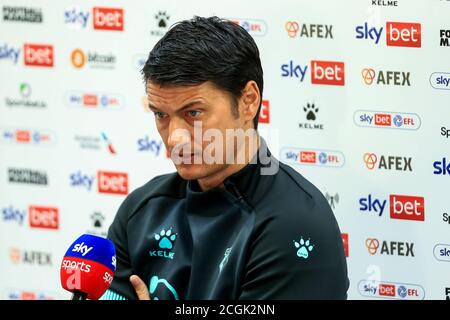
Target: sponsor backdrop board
x: 356, y: 98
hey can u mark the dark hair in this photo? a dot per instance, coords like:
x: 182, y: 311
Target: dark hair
x: 206, y: 49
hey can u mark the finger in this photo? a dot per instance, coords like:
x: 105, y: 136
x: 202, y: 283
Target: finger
x: 140, y: 287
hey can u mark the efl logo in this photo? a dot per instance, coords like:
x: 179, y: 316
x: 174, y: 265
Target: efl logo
x: 94, y: 100
x: 253, y: 27
x: 391, y: 290
x: 112, y: 182
x: 27, y: 136
x: 440, y: 80
x: 390, y: 120
x: 323, y: 158
x: 344, y: 237
x: 38, y: 55
x: 44, y: 217
x: 327, y: 73
x: 403, y: 34
x: 264, y: 113
x: 407, y: 207
x: 108, y: 19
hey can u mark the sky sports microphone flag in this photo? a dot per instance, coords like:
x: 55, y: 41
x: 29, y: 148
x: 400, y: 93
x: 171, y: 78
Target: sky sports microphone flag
x: 88, y: 267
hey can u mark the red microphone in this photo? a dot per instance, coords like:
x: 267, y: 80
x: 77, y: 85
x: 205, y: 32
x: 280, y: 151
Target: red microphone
x: 88, y: 267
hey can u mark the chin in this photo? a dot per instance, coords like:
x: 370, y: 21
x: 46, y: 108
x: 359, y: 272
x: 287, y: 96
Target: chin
x: 191, y: 172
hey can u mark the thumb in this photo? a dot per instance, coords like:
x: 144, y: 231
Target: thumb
x: 139, y: 287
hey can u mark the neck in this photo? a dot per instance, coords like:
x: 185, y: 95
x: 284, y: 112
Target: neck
x: 216, y: 179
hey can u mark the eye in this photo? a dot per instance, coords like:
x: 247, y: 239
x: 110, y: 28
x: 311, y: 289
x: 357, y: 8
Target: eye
x: 194, y: 113
x: 160, y: 115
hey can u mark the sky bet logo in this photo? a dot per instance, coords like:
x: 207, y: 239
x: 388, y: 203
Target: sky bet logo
x: 38, y: 55
x: 398, y: 34
x: 44, y: 217
x: 76, y: 18
x: 11, y: 214
x: 322, y: 72
x: 27, y: 136
x: 108, y: 182
x: 387, y: 162
x: 395, y: 78
x: 79, y: 179
x: 441, y: 167
x: 147, y: 144
x: 401, y: 207
x: 385, y: 119
x: 110, y: 19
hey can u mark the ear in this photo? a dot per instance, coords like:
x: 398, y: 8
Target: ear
x: 249, y: 102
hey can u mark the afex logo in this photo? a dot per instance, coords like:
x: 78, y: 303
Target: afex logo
x: 327, y: 72
x: 43, y: 217
x: 441, y: 167
x: 322, y: 31
x: 264, y: 113
x: 385, y: 119
x: 396, y: 78
x: 401, y: 207
x: 38, y: 55
x: 112, y: 182
x: 398, y: 34
x: 387, y: 162
x: 108, y: 19
x: 390, y: 248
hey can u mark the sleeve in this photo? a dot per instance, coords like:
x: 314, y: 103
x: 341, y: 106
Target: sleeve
x: 297, y: 254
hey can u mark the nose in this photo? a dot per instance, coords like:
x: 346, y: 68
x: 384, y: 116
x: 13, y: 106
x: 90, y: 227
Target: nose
x: 178, y: 134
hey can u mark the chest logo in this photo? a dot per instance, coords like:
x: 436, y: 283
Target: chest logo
x: 304, y: 248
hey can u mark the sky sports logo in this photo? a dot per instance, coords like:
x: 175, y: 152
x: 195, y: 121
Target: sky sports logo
x: 92, y: 100
x: 322, y: 72
x: 322, y: 158
x: 107, y: 182
x: 401, y: 207
x: 440, y: 80
x: 27, y: 136
x: 441, y: 167
x: 398, y: 34
x: 386, y: 120
x: 391, y: 290
x: 108, y: 19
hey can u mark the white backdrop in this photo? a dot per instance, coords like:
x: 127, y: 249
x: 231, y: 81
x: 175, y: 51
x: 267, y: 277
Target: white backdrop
x: 356, y: 99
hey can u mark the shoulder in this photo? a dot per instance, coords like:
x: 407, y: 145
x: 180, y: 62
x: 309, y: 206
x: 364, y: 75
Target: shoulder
x: 169, y: 185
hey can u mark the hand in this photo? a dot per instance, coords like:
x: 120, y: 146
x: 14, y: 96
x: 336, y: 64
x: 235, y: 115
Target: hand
x: 140, y: 288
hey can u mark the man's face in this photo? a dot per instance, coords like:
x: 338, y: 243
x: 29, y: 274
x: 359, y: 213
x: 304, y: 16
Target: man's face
x: 176, y: 108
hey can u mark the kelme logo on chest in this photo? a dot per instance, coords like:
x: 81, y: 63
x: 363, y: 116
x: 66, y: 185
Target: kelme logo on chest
x: 165, y: 240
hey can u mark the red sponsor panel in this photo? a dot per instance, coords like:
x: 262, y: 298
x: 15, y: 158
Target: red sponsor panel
x: 112, y: 182
x: 327, y: 72
x: 387, y: 290
x: 307, y: 157
x: 403, y: 34
x: 43, y: 217
x: 38, y: 55
x: 108, y: 19
x: 264, y: 113
x: 383, y: 119
x: 407, y: 207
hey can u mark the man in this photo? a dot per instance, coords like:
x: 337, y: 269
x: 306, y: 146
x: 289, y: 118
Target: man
x: 232, y: 222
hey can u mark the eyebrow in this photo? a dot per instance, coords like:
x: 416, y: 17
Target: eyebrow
x: 186, y: 106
